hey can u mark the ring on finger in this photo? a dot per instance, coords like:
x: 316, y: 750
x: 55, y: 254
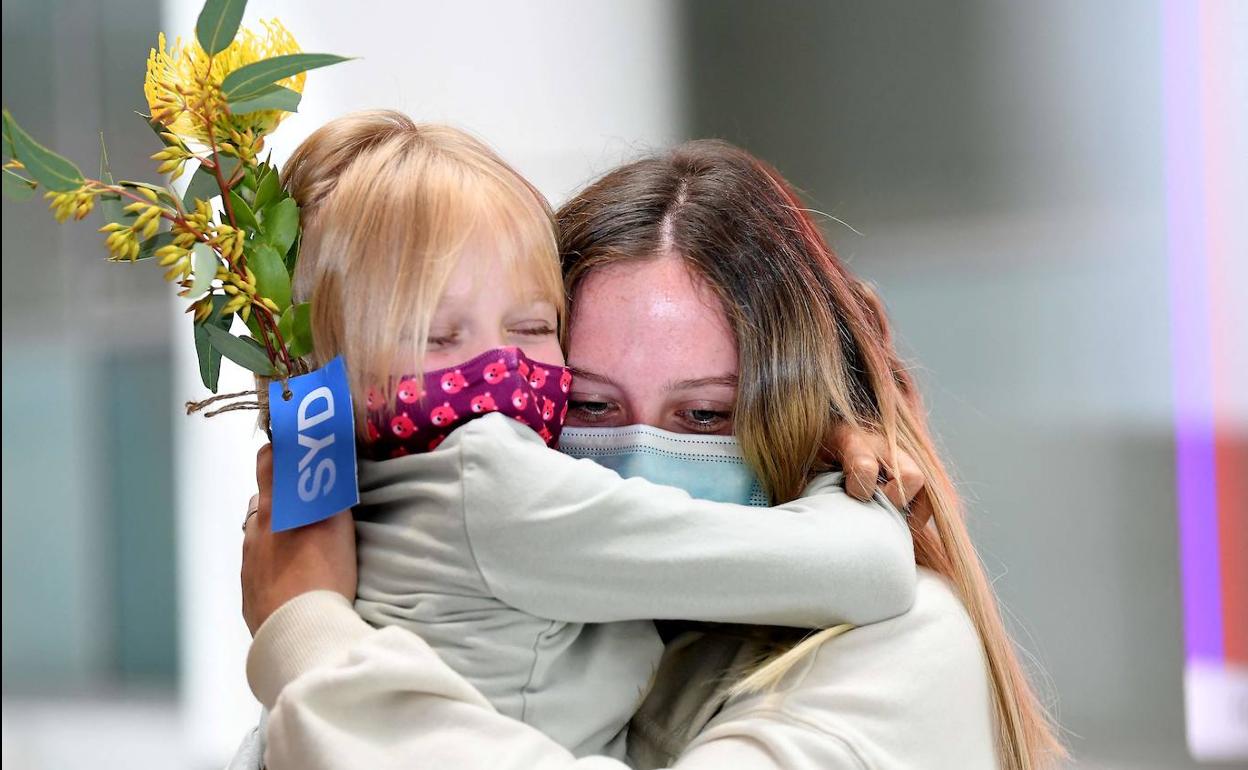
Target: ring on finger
x: 251, y: 511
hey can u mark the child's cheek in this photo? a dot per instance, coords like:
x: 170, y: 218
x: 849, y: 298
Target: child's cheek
x: 546, y: 352
x: 445, y: 359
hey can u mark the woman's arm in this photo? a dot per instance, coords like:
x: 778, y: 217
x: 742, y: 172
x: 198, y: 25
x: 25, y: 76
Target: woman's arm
x: 345, y: 695
x: 570, y: 540
x: 336, y: 703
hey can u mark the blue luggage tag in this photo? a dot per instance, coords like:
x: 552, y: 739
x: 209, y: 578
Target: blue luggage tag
x: 314, y: 472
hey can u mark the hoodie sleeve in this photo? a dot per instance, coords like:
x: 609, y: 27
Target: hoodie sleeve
x: 344, y: 695
x: 570, y: 540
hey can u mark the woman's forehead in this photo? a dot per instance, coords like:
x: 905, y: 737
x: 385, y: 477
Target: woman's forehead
x: 651, y: 314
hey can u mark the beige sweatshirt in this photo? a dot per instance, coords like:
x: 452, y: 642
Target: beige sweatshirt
x: 908, y: 693
x: 537, y: 576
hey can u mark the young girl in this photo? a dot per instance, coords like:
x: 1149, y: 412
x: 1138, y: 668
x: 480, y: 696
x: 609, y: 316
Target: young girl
x: 432, y: 268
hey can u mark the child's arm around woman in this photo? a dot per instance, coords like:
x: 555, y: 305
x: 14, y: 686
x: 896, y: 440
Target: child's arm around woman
x: 570, y: 540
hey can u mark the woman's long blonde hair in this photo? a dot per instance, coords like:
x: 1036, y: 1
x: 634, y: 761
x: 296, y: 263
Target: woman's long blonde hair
x: 815, y: 351
x: 386, y: 207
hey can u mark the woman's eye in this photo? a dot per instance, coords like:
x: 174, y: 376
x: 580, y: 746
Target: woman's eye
x: 705, y: 420
x: 590, y: 411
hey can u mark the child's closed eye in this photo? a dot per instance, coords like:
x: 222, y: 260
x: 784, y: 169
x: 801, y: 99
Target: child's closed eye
x: 534, y: 330
x: 436, y: 341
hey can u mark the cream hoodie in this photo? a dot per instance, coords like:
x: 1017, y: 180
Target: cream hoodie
x: 537, y: 577
x: 908, y: 693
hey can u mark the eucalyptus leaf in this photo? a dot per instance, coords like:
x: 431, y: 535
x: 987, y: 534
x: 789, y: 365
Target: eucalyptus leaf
x: 54, y: 172
x: 292, y: 254
x: 203, y: 184
x: 274, y: 97
x: 161, y: 192
x: 110, y: 208
x: 210, y: 357
x: 272, y: 280
x: 18, y: 187
x: 106, y: 172
x: 109, y: 204
x: 296, y: 328
x: 254, y: 343
x: 253, y: 326
x: 268, y: 189
x: 204, y: 265
x: 145, y: 185
x: 250, y: 80
x: 148, y: 248
x: 243, y: 215
x: 280, y: 224
x: 218, y: 24
x: 157, y: 128
x: 237, y: 349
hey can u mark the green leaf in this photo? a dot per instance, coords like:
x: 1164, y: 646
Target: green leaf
x: 110, y: 208
x: 108, y: 204
x: 145, y: 185
x: 272, y: 280
x: 161, y: 192
x: 218, y: 24
x: 18, y: 187
x: 157, y: 129
x: 292, y: 255
x: 280, y: 224
x: 274, y: 97
x: 268, y: 189
x: 237, y: 349
x: 249, y: 81
x: 204, y: 263
x: 106, y: 173
x: 148, y: 248
x: 253, y: 325
x: 203, y: 184
x: 243, y: 215
x: 48, y: 169
x: 255, y: 345
x: 296, y: 328
x: 210, y: 357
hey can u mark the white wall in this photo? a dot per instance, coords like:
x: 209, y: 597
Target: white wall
x: 563, y: 89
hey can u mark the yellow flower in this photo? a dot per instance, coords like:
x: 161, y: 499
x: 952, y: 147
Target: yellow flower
x: 183, y: 88
x: 75, y: 203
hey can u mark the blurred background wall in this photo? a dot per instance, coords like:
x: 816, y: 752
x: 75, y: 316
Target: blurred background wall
x: 995, y: 168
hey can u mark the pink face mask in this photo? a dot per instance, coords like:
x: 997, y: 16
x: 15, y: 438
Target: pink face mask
x: 426, y: 410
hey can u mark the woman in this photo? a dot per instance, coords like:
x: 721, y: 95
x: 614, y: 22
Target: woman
x: 703, y: 300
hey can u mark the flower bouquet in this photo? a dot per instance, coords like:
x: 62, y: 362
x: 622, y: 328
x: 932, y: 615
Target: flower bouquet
x: 230, y: 240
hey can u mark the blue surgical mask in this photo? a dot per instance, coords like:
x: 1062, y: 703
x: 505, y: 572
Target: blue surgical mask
x: 707, y: 467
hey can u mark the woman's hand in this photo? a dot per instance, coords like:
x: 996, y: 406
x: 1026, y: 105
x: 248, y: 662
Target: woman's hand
x: 861, y: 454
x: 278, y: 566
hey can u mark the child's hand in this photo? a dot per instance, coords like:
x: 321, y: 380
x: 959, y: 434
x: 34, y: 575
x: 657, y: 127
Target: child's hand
x: 278, y: 566
x: 860, y: 454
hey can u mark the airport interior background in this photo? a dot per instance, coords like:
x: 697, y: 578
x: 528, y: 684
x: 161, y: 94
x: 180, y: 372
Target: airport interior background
x: 1011, y: 177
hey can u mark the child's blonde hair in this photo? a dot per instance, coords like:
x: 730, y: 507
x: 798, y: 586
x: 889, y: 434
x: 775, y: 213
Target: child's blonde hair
x: 386, y: 207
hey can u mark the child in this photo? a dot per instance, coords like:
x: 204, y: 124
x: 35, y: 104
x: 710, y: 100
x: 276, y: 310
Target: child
x: 433, y: 270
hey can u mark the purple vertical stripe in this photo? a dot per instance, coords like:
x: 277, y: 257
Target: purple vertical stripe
x: 1190, y: 331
